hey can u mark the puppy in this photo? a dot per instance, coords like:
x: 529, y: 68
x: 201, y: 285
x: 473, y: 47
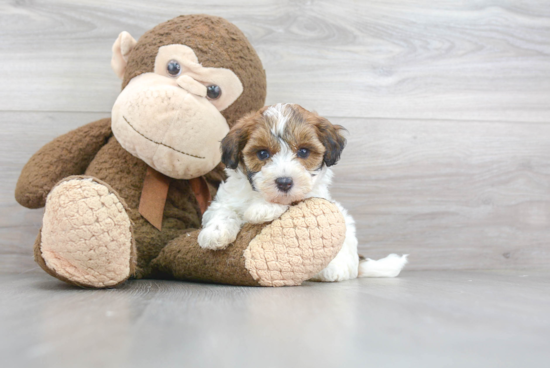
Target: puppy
x: 277, y: 156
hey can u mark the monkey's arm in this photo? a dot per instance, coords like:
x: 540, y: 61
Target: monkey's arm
x: 69, y: 154
x: 286, y: 251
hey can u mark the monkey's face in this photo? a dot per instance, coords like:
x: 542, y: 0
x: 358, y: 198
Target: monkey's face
x: 170, y: 118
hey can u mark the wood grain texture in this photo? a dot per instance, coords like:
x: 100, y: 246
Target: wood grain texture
x: 482, y: 60
x: 451, y: 194
x: 421, y: 319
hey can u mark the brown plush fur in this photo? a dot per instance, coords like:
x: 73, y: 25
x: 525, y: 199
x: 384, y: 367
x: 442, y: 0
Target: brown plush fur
x: 126, y: 173
x: 66, y: 155
x: 183, y: 259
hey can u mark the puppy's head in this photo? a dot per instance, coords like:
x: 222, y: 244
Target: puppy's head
x: 283, y: 149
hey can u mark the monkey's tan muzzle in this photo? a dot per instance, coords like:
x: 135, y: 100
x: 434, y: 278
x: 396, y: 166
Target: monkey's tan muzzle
x: 170, y: 126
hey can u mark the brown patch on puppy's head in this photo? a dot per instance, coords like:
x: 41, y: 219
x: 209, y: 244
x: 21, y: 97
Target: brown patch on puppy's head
x: 301, y: 128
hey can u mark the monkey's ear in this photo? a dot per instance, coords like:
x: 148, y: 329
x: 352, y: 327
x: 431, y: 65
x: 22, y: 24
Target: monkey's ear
x: 122, y: 47
x: 331, y: 137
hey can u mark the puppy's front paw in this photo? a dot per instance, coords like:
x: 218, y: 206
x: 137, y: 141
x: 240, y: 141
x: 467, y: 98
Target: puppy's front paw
x: 217, y: 236
x: 264, y: 212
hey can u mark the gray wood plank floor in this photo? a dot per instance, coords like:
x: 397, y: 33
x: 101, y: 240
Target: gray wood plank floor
x: 448, y: 110
x: 421, y: 319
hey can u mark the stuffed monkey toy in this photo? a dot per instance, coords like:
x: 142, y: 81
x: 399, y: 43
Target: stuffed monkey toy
x: 123, y: 196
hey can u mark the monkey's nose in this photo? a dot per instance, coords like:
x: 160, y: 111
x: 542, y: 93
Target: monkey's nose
x: 191, y: 85
x: 284, y: 184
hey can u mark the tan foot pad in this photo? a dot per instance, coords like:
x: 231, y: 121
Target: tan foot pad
x: 298, y: 245
x: 86, y: 237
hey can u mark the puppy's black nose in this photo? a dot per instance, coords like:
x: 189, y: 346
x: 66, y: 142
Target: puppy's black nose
x: 284, y: 184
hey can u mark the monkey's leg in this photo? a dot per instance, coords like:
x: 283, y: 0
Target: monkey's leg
x: 284, y: 252
x: 86, y: 237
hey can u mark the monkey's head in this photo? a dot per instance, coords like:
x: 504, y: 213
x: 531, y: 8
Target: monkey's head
x: 184, y: 84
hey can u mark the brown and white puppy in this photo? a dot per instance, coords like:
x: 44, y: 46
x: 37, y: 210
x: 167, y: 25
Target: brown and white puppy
x: 275, y: 157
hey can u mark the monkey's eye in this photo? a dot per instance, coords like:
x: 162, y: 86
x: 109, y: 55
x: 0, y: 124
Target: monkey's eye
x: 173, y: 68
x: 263, y: 155
x: 303, y: 153
x: 213, y: 92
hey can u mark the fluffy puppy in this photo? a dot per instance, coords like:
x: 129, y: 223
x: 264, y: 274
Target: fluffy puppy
x: 275, y: 157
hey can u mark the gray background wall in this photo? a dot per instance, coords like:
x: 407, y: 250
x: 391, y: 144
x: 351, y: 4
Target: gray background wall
x: 447, y: 105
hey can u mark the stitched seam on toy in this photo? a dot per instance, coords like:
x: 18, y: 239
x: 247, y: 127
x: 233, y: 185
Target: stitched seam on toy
x: 160, y: 143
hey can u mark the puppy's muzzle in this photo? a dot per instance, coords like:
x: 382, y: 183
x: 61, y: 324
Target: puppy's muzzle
x: 284, y: 184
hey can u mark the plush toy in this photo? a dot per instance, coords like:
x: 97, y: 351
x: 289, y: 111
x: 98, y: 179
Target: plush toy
x: 124, y: 196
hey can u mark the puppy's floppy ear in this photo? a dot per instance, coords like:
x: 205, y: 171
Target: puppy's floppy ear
x: 231, y: 155
x: 331, y: 137
x: 234, y: 142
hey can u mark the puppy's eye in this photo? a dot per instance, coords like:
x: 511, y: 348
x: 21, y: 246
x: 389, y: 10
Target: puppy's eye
x: 303, y: 153
x: 173, y: 68
x: 213, y: 92
x: 263, y: 155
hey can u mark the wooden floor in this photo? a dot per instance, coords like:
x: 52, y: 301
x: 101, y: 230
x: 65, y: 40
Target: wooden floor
x: 421, y: 319
x: 447, y: 104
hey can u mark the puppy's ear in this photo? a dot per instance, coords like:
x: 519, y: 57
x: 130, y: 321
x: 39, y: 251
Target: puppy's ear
x: 331, y: 137
x: 234, y: 142
x: 231, y: 155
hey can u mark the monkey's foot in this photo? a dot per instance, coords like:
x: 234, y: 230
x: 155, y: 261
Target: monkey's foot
x: 285, y: 252
x: 86, y: 236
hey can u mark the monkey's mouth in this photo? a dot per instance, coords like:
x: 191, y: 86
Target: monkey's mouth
x: 160, y: 143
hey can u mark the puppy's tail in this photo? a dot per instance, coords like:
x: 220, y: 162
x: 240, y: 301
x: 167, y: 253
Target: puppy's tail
x: 389, y: 266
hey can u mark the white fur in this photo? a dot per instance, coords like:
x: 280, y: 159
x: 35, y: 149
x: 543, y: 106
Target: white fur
x: 285, y: 164
x: 389, y: 266
x: 237, y: 203
x: 277, y: 112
